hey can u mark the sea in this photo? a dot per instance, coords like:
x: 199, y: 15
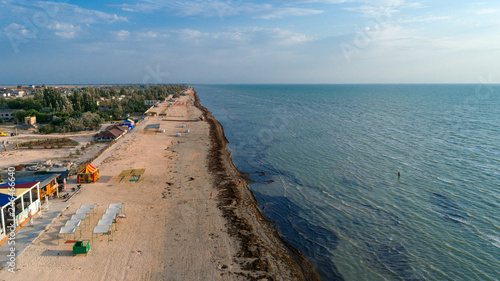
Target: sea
x: 373, y: 182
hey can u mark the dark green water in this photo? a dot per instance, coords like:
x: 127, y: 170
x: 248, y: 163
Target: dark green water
x: 332, y: 154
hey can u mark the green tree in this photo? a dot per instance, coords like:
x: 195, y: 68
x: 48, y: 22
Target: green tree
x: 72, y: 125
x: 91, y: 120
x: 47, y: 129
x: 20, y: 115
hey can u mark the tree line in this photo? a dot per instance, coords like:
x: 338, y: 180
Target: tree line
x: 86, y: 107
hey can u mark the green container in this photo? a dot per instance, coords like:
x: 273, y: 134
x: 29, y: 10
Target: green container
x: 81, y: 248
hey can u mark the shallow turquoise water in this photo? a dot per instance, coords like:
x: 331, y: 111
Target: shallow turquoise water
x: 332, y: 154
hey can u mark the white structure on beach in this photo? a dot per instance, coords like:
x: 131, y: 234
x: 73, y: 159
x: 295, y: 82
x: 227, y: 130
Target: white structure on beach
x: 26, y: 198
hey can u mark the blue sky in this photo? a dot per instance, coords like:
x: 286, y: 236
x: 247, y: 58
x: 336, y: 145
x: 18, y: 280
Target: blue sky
x: 237, y: 41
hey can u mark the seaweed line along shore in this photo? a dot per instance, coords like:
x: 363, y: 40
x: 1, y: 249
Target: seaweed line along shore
x: 258, y: 237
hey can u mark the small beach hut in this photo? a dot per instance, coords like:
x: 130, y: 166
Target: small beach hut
x: 129, y: 123
x: 88, y: 175
x: 25, y: 197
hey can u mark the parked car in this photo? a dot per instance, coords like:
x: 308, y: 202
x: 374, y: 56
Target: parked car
x: 13, y: 134
x: 3, y: 134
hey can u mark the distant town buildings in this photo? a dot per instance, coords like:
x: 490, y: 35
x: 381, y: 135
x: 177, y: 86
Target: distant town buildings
x: 21, y: 91
x: 17, y: 92
x: 7, y: 114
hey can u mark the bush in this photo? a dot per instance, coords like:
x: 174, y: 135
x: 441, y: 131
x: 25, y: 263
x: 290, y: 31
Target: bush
x: 47, y: 129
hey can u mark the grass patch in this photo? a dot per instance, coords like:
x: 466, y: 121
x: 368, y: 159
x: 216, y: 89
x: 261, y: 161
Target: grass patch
x: 52, y: 143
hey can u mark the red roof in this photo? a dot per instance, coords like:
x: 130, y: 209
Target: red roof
x: 20, y: 185
x: 111, y: 132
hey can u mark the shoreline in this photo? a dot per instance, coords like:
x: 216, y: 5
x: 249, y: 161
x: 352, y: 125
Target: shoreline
x: 235, y: 192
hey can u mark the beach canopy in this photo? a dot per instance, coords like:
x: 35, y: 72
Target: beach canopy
x: 89, y: 169
x: 88, y: 174
x: 19, y: 190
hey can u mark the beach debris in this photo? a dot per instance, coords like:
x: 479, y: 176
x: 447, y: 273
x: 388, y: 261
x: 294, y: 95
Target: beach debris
x: 222, y: 267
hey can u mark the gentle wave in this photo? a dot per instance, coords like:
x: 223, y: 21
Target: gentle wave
x: 335, y: 156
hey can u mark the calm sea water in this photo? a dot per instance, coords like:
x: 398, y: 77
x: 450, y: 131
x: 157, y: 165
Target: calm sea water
x: 331, y: 156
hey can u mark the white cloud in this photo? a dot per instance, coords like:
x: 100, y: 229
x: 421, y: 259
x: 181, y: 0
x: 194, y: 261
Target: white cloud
x: 219, y: 8
x: 249, y: 36
x: 18, y: 30
x: 122, y: 34
x: 374, y: 11
x: 287, y: 12
x: 64, y: 30
x: 92, y: 16
x: 425, y: 19
x: 191, y: 33
x: 487, y: 11
x: 64, y: 12
x: 141, y: 7
x: 150, y: 35
x: 65, y: 20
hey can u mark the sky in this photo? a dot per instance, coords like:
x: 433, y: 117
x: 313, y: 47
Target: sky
x: 248, y: 42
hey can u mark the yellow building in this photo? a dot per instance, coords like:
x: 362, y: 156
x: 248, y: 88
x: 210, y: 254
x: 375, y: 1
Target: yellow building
x: 30, y: 120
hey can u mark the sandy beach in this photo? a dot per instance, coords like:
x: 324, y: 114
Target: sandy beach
x: 190, y: 216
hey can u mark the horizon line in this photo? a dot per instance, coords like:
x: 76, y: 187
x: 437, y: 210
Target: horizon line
x: 228, y: 84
